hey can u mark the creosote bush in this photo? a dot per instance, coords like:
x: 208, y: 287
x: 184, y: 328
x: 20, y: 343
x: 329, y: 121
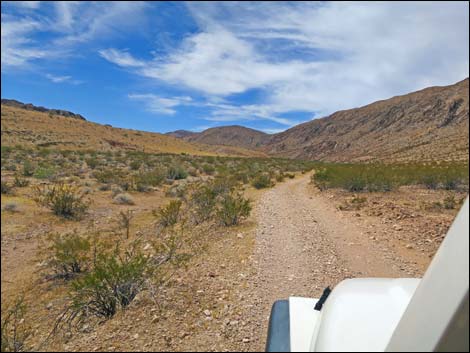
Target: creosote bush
x: 112, y: 284
x: 232, y: 208
x: 261, y: 181
x: 203, y: 202
x: 176, y: 173
x: 15, y: 328
x: 64, y: 200
x: 69, y: 254
x: 169, y: 215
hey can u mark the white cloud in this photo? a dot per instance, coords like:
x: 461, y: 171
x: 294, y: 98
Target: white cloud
x: 63, y: 79
x: 161, y: 105
x: 58, y: 79
x: 63, y: 29
x: 316, y: 57
x: 120, y: 58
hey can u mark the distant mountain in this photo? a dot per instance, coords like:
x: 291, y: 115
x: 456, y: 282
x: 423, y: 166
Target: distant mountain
x: 235, y: 135
x: 29, y: 106
x: 181, y: 133
x: 430, y: 124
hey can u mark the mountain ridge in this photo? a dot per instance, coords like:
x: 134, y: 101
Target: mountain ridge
x: 428, y: 124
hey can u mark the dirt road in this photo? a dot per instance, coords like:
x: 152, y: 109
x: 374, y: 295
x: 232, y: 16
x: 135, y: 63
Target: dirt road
x: 303, y: 244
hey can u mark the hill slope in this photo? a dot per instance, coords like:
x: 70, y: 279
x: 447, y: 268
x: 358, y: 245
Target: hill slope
x: 431, y: 124
x: 30, y: 127
x: 225, y: 136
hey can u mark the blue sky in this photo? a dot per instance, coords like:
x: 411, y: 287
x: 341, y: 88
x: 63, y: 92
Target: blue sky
x: 162, y: 66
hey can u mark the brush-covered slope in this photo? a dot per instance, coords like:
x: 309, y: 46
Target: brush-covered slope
x: 29, y: 127
x: 431, y: 124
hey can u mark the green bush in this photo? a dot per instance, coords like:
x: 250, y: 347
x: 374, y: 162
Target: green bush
x: 176, y: 173
x: 64, y: 200
x: 28, y: 168
x: 15, y: 328
x: 69, y: 254
x: 112, y: 284
x: 44, y: 173
x: 208, y: 169
x: 203, y: 202
x: 262, y: 181
x: 232, y: 209
x: 449, y: 202
x: 170, y: 214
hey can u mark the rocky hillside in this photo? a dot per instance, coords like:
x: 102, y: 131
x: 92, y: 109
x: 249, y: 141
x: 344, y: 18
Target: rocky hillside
x: 431, y: 124
x: 29, y: 106
x: 226, y: 136
x: 181, y: 133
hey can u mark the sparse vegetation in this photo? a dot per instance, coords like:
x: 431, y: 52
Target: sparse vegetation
x: 6, y: 188
x: 170, y: 214
x: 262, y: 181
x: 233, y: 208
x: 64, y: 200
x: 385, y: 177
x: 69, y: 254
x: 124, y: 199
x: 15, y: 327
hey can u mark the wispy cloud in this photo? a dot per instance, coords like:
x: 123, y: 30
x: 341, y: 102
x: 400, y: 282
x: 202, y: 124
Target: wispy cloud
x: 120, y: 58
x: 160, y: 105
x: 56, y: 32
x: 63, y: 79
x: 313, y: 57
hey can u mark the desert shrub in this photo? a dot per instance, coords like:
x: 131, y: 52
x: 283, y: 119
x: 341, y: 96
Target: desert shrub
x: 261, y: 181
x: 44, y: 173
x: 11, y: 207
x: 124, y: 199
x: 109, y: 175
x: 222, y: 186
x: 69, y: 254
x: 115, y: 190
x: 104, y: 187
x: 232, y: 208
x: 20, y: 182
x: 14, y: 326
x: 146, y: 179
x: 112, y: 284
x: 208, y: 169
x: 280, y: 177
x: 64, y: 200
x: 6, y: 188
x: 135, y: 164
x: 170, y: 214
x: 203, y: 202
x: 430, y: 181
x: 92, y: 162
x: 176, y: 173
x: 28, y: 168
x: 449, y: 202
x: 124, y: 221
